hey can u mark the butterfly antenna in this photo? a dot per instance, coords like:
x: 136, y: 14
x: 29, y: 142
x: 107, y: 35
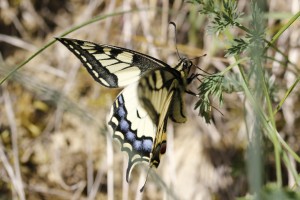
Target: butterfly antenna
x: 205, y: 72
x: 198, y: 57
x: 142, y: 189
x: 173, y: 23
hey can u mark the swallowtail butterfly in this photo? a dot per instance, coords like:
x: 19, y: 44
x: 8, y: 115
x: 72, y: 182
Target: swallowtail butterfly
x: 154, y: 92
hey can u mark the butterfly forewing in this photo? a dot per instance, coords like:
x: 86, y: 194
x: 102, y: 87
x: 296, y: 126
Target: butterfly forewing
x: 156, y: 91
x: 110, y: 65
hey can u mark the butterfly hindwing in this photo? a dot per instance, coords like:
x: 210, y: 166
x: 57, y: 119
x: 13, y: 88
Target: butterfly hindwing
x: 132, y: 127
x: 109, y: 65
x: 140, y: 113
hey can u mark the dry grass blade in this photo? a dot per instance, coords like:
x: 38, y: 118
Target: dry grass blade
x: 13, y: 171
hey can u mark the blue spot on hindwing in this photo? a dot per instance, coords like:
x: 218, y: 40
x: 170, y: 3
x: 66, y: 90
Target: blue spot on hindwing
x: 137, y: 145
x: 147, y: 145
x: 121, y: 112
x: 121, y: 100
x: 124, y: 126
x: 130, y: 136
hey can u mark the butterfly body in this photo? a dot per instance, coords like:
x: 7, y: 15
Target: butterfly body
x: 153, y: 92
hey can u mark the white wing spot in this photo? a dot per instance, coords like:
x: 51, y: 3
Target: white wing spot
x: 95, y: 73
x: 107, y: 50
x: 88, y: 44
x: 92, y: 51
x: 76, y: 51
x: 89, y: 65
x: 87, y: 47
x: 114, y: 120
x: 83, y: 58
x: 103, y: 82
x: 118, y: 133
x: 135, y: 157
x: 127, y: 145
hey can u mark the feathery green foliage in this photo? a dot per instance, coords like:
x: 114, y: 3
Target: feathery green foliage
x: 211, y: 85
x: 254, y: 79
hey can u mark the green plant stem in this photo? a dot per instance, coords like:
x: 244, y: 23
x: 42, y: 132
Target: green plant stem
x: 287, y: 147
x: 277, y: 151
x: 286, y: 95
x: 26, y: 61
x: 272, y: 121
x: 227, y: 69
x: 269, y: 122
x: 286, y: 26
x: 274, y: 138
x: 266, y: 125
x: 291, y: 168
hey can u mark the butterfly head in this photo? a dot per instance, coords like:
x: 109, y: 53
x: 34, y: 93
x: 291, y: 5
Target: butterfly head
x: 184, y: 67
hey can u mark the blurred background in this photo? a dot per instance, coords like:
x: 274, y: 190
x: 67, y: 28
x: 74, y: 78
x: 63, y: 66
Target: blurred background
x: 54, y: 143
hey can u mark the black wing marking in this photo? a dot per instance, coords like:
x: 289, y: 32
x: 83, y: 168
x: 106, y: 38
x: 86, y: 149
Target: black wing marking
x: 110, y: 65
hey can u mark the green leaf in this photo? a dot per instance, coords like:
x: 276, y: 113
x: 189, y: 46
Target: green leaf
x: 211, y: 86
